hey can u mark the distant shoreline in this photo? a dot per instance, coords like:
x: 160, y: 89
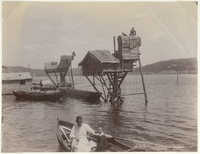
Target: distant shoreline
x: 182, y: 66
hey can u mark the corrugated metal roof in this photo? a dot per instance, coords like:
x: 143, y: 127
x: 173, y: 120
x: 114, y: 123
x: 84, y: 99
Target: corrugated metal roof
x: 16, y: 76
x: 103, y: 56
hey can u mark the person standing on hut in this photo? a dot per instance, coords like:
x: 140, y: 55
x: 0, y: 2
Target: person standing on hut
x: 132, y: 32
x: 79, y: 136
x: 101, y: 141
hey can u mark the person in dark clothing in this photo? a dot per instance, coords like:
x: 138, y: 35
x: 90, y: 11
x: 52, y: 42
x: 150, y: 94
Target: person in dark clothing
x: 132, y: 32
x: 41, y: 83
x: 101, y: 141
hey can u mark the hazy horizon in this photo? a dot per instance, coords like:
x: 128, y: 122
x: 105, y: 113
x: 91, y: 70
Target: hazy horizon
x: 37, y: 32
x: 79, y: 67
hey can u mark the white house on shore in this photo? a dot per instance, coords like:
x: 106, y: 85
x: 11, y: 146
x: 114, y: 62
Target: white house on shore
x: 21, y: 78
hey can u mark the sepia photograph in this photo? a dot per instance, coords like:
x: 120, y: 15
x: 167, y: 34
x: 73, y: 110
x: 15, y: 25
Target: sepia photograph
x: 99, y: 76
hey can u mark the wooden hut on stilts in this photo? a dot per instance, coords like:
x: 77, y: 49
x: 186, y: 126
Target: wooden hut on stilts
x: 61, y: 71
x: 111, y: 69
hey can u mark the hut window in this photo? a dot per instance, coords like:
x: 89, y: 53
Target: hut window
x: 22, y: 82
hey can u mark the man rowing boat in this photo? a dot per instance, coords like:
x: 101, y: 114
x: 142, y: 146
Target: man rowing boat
x: 79, y: 136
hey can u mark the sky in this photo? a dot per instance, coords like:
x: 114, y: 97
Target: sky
x: 37, y: 32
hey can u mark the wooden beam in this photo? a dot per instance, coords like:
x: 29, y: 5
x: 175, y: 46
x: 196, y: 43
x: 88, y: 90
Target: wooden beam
x: 72, y: 77
x: 145, y: 95
x: 94, y: 87
x: 132, y: 94
x: 56, y: 78
x: 114, y: 44
x: 101, y: 80
x: 106, y: 87
x: 103, y: 90
x: 51, y: 80
x: 94, y: 79
x: 104, y: 82
x: 109, y: 77
x: 124, y: 75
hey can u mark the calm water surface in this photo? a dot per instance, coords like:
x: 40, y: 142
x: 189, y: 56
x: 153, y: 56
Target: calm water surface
x: 168, y: 123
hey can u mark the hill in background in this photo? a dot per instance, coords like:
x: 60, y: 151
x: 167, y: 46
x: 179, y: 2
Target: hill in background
x: 15, y: 69
x: 188, y: 65
x: 34, y: 72
x: 184, y: 66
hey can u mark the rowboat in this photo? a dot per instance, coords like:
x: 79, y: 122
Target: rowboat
x: 64, y: 129
x: 38, y: 96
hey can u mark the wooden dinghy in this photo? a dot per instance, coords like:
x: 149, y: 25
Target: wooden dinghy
x: 38, y: 96
x: 64, y: 129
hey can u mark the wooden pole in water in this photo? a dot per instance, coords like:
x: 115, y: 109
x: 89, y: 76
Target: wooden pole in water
x: 145, y: 95
x: 72, y: 77
x: 56, y: 78
x: 102, y: 88
x: 70, y: 80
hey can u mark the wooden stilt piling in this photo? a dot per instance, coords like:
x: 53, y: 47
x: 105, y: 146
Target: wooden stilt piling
x: 56, y: 78
x: 52, y: 81
x: 145, y: 95
x: 72, y: 78
x: 114, y: 44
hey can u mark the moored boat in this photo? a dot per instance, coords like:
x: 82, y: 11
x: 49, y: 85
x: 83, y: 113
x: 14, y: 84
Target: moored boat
x: 43, y: 88
x: 38, y: 96
x: 64, y: 129
x: 89, y: 96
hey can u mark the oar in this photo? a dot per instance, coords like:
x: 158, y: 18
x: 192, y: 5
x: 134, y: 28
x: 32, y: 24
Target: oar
x: 134, y: 149
x: 64, y: 134
x: 66, y: 128
x: 134, y: 140
x: 142, y: 142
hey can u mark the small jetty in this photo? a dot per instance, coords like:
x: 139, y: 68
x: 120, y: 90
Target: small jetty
x: 102, y: 66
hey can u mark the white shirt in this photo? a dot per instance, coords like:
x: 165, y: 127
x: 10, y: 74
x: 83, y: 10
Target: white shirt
x: 78, y: 131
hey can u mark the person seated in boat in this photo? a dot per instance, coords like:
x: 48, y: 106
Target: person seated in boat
x: 41, y: 84
x: 79, y: 136
x: 101, y: 141
x: 31, y: 90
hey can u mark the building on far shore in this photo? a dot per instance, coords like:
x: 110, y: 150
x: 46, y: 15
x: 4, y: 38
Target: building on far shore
x: 17, y: 78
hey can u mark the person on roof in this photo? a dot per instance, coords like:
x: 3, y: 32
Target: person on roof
x: 132, y: 32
